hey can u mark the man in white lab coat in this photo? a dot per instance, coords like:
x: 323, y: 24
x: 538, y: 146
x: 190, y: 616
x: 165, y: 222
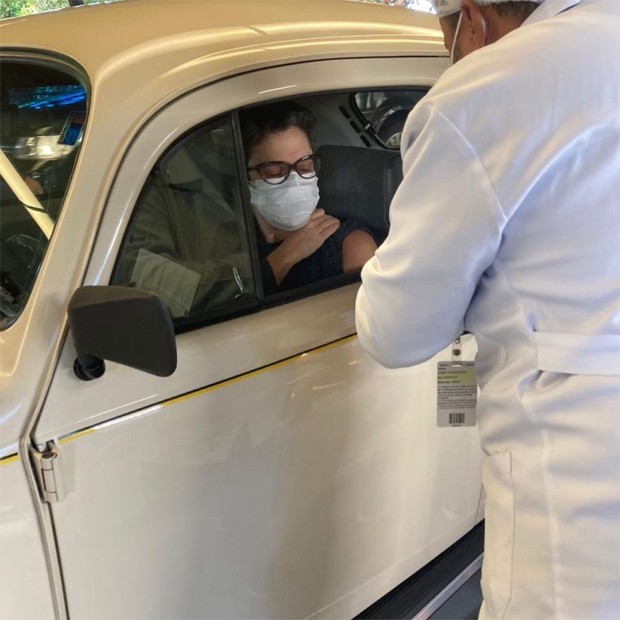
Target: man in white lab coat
x: 507, y: 224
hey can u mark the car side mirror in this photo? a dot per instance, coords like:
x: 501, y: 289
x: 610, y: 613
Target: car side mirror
x: 124, y: 325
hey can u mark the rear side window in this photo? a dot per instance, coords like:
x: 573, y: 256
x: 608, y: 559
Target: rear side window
x: 43, y: 110
x: 384, y: 112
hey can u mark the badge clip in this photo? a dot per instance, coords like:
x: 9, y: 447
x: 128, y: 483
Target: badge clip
x: 457, y: 352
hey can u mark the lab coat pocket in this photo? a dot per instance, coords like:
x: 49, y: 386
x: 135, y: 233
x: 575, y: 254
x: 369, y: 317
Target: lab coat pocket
x: 498, y: 534
x: 578, y: 354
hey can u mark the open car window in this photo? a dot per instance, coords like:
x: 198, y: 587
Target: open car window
x: 43, y: 113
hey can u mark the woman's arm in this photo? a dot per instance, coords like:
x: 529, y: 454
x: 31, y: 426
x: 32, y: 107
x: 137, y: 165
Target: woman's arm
x: 358, y: 246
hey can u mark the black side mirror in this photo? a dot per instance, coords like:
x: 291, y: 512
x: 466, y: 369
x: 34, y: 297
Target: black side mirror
x: 124, y: 325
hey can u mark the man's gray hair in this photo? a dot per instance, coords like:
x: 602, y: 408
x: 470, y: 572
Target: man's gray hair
x: 444, y: 8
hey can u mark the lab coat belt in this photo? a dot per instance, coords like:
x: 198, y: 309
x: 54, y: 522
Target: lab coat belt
x: 578, y: 354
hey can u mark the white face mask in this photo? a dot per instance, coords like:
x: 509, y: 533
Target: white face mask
x: 287, y: 206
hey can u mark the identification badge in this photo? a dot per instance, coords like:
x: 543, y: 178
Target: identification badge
x: 457, y: 394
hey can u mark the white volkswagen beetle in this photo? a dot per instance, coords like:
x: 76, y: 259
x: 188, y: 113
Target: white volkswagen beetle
x: 245, y: 459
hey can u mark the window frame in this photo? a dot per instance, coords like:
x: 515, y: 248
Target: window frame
x: 210, y: 100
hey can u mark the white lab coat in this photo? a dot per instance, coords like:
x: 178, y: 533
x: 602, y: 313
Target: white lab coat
x: 507, y: 224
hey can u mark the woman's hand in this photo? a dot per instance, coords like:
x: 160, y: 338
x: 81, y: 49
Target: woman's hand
x: 307, y: 240
x: 302, y: 243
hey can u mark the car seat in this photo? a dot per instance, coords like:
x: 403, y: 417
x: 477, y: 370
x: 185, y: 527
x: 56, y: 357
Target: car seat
x: 359, y: 183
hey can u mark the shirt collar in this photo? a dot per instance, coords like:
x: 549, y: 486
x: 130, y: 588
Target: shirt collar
x: 550, y: 8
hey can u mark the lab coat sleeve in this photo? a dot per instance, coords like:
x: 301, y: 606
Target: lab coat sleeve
x: 446, y: 225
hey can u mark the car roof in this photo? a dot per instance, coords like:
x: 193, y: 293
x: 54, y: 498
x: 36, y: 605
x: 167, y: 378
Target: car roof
x: 138, y: 56
x: 132, y: 37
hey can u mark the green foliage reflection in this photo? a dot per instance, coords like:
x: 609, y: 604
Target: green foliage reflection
x: 17, y: 8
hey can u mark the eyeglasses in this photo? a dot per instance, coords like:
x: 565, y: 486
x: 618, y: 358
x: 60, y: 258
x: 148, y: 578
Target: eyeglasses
x: 276, y: 172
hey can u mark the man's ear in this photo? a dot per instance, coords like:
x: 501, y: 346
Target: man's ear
x: 474, y: 22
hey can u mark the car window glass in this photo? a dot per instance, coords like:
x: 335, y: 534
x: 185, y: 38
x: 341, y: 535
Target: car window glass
x: 187, y: 241
x: 385, y: 112
x: 42, y: 117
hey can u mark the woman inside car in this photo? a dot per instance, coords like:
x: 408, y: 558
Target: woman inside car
x: 298, y: 242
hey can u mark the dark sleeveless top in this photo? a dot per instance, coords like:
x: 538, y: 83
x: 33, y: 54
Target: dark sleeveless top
x: 326, y: 262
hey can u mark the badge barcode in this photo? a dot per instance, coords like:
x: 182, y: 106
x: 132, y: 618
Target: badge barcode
x: 457, y: 418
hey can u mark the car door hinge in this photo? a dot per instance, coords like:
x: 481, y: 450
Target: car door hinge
x: 48, y: 470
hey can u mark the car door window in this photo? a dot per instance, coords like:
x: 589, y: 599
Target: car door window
x: 187, y: 241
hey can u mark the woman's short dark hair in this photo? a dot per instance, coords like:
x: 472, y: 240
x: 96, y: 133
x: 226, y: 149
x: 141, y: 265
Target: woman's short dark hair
x: 258, y: 122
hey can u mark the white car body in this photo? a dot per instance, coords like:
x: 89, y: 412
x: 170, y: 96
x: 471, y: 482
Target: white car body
x: 279, y: 472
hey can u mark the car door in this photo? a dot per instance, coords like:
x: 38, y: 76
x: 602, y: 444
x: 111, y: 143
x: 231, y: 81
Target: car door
x: 279, y: 472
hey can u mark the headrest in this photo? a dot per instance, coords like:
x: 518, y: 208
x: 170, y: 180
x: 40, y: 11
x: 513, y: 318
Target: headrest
x: 359, y: 183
